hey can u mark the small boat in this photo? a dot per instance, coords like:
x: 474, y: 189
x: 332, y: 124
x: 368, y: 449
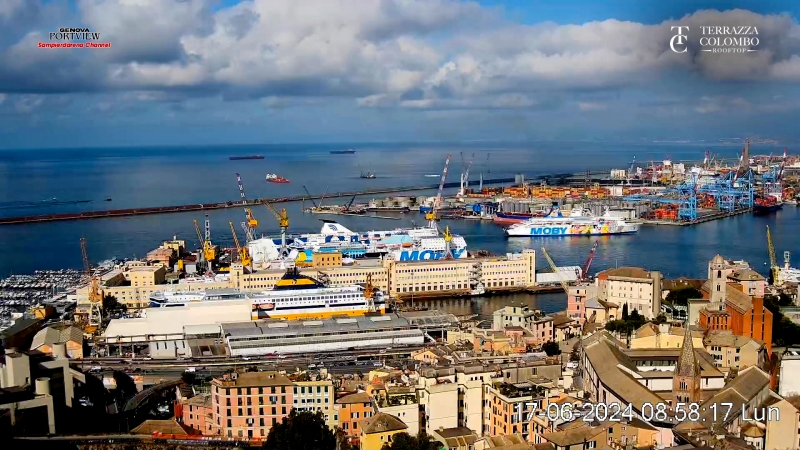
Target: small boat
x: 349, y: 151
x: 274, y: 178
x: 237, y: 158
x: 108, y: 199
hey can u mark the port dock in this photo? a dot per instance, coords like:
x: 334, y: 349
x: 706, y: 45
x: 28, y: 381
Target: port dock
x: 700, y: 219
x: 222, y: 205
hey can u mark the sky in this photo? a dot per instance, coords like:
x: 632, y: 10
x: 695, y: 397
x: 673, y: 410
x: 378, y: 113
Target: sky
x: 187, y: 72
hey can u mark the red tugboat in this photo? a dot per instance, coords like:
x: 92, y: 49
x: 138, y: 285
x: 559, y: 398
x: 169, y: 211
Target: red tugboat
x: 274, y: 178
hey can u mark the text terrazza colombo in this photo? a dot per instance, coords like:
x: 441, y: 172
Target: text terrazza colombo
x: 729, y: 36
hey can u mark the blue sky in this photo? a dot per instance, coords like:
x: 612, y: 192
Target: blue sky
x: 182, y: 72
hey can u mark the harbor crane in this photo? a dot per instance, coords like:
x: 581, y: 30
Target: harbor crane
x: 433, y: 216
x: 95, y: 296
x: 465, y: 175
x: 251, y: 223
x: 209, y: 252
x: 584, y: 275
x: 244, y: 254
x: 774, y: 269
x: 283, y: 220
x: 555, y: 270
x: 448, y: 238
x: 369, y: 294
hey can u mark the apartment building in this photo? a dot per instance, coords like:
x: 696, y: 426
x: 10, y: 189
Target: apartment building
x: 539, y: 324
x: 512, y: 407
x: 316, y: 396
x: 353, y: 409
x: 378, y: 430
x: 198, y: 414
x: 731, y: 351
x: 400, y: 402
x: 640, y: 289
x: 249, y: 404
x: 577, y: 300
x: 743, y: 315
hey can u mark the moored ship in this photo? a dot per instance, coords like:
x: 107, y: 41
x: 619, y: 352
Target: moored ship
x: 579, y: 223
x: 349, y: 151
x: 237, y: 158
x: 297, y: 296
x: 766, y: 205
x: 274, y: 178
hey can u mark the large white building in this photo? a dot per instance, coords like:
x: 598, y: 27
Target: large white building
x: 638, y: 288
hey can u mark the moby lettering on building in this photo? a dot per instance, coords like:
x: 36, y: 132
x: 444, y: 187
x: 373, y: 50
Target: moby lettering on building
x: 417, y: 255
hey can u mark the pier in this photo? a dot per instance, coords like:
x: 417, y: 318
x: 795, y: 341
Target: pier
x: 223, y: 205
x: 702, y: 219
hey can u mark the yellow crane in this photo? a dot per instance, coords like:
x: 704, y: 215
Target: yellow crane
x: 369, y: 294
x: 209, y: 251
x: 448, y: 239
x: 433, y: 216
x: 283, y: 220
x: 244, y: 255
x: 251, y: 223
x: 95, y: 296
x: 555, y: 270
x: 774, y: 269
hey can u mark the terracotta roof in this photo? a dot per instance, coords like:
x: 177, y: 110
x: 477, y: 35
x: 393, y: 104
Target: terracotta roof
x: 746, y: 275
x: 170, y: 426
x: 382, y: 423
x: 572, y: 437
x: 457, y: 437
x: 58, y: 334
x: 626, y: 272
x: 255, y: 379
x: 738, y: 299
x: 726, y: 338
x: 358, y: 397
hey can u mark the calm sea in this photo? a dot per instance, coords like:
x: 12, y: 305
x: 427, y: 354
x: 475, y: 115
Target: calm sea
x: 137, y: 177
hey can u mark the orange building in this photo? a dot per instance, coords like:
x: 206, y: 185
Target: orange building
x: 714, y: 319
x: 249, y: 404
x: 742, y: 314
x: 353, y: 409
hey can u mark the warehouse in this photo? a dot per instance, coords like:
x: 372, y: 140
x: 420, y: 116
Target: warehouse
x: 263, y: 337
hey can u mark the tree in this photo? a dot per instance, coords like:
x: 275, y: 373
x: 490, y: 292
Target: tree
x: 111, y: 305
x: 625, y: 312
x: 661, y: 318
x: 301, y: 430
x: 682, y: 296
x: 635, y: 316
x: 551, y: 348
x: 189, y: 378
x: 404, y: 441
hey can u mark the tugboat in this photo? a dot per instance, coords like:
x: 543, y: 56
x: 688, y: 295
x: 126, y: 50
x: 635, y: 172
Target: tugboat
x: 274, y: 178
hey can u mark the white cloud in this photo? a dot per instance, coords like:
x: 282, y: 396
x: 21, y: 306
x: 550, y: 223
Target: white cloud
x: 3, y: 98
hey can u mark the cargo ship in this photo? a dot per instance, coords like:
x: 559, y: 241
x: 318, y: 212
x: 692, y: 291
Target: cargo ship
x: 274, y: 178
x: 580, y: 222
x: 236, y: 158
x: 297, y: 296
x: 349, y: 151
x: 766, y: 205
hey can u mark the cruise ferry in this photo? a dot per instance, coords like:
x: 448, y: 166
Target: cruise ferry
x: 580, y: 222
x: 170, y: 298
x: 405, y: 244
x: 297, y: 296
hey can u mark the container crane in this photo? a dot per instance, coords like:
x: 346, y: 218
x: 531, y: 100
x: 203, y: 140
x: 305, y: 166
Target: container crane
x: 244, y: 254
x: 283, y: 220
x: 774, y: 269
x: 433, y: 216
x: 95, y: 297
x: 585, y: 272
x: 251, y: 223
x: 555, y: 270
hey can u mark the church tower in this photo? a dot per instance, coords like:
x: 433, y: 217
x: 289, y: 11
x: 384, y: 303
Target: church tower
x: 686, y: 381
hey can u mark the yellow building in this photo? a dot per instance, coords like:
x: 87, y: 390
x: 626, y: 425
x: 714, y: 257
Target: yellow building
x: 317, y: 396
x: 634, y: 432
x: 731, y: 351
x: 378, y: 430
x: 651, y: 335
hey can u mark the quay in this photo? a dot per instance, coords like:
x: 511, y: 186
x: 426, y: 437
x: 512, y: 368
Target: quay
x: 702, y: 219
x: 222, y: 205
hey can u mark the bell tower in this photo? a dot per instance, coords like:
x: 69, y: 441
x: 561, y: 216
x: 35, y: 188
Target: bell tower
x: 686, y: 381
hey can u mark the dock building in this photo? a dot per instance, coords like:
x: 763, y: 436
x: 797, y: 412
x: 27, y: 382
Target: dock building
x: 134, y: 284
x: 263, y: 337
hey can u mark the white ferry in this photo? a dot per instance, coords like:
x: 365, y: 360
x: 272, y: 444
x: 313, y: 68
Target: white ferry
x: 170, y: 298
x: 298, y: 296
x: 580, y: 222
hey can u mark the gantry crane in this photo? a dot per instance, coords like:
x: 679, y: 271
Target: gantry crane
x: 433, y: 216
x: 95, y: 297
x: 244, y: 254
x: 283, y: 221
x: 555, y: 270
x: 774, y: 269
x: 209, y: 252
x: 251, y: 223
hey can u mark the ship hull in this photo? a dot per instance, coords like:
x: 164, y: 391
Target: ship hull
x: 571, y: 230
x: 761, y: 210
x: 278, y: 181
x: 313, y: 315
x: 239, y: 158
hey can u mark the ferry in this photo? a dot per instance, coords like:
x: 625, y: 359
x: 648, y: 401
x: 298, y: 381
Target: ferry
x: 170, y: 298
x: 297, y: 296
x: 580, y: 222
x: 405, y: 244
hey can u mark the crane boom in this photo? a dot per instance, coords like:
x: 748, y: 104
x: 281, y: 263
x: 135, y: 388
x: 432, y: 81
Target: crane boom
x: 555, y: 270
x: 310, y: 197
x: 773, y: 261
x: 433, y: 216
x: 251, y: 223
x: 95, y: 297
x: 283, y: 220
x: 588, y: 264
x: 244, y: 255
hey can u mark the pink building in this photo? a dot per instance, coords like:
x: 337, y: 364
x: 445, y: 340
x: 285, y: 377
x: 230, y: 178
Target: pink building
x: 248, y: 404
x: 752, y: 282
x: 576, y: 301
